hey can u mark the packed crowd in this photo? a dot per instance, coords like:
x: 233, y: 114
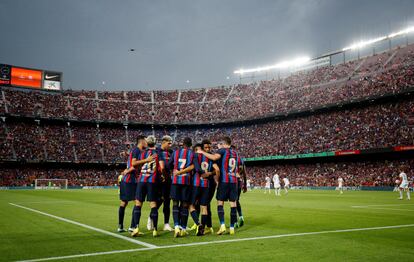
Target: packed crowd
x: 12, y: 177
x: 373, y: 126
x: 380, y: 74
x: 370, y: 173
x: 354, y: 174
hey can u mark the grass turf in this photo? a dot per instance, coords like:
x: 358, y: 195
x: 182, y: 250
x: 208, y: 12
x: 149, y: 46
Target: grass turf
x: 28, y: 235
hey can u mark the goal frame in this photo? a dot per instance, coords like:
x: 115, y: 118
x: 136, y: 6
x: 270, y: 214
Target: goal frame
x: 47, y: 180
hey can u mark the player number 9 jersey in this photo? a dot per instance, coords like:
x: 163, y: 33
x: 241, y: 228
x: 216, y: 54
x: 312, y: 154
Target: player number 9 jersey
x: 229, y: 165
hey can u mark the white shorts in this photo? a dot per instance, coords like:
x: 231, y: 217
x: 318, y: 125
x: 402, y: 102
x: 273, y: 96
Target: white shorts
x: 277, y: 185
x: 404, y: 185
x: 287, y: 186
x: 267, y: 186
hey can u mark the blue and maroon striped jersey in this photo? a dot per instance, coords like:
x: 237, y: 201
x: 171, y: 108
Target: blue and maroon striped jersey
x: 180, y: 159
x: 150, y: 172
x: 229, y: 165
x: 164, y: 155
x: 131, y: 176
x: 201, y: 165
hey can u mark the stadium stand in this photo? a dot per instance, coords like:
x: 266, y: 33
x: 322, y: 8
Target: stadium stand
x: 374, y: 126
x: 100, y: 126
x: 386, y: 73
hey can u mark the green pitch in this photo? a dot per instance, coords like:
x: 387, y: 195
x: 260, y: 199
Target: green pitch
x: 25, y: 234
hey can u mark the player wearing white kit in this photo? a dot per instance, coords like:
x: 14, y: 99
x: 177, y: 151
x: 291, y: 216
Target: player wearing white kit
x: 248, y: 185
x: 267, y: 186
x: 340, y: 185
x: 404, y: 186
x: 276, y: 183
x: 286, y: 184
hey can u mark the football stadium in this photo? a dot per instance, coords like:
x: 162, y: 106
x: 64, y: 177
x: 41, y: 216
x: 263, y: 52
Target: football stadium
x: 206, y: 130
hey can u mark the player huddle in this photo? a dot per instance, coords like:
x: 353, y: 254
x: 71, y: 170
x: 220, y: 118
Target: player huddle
x: 187, y: 175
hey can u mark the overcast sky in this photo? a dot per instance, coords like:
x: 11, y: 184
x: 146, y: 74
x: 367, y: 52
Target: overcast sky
x: 180, y: 40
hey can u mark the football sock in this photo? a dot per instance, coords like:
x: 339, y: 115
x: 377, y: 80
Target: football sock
x: 194, y: 215
x: 204, y: 220
x: 176, y: 215
x: 166, y: 210
x: 154, y: 216
x: 233, y: 216
x: 209, y: 222
x: 121, y: 215
x: 239, y: 210
x: 137, y: 215
x: 220, y: 212
x: 184, y: 217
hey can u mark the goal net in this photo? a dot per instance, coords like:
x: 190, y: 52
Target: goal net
x: 51, y: 183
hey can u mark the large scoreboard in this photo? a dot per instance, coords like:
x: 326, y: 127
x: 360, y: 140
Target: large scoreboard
x: 30, y: 78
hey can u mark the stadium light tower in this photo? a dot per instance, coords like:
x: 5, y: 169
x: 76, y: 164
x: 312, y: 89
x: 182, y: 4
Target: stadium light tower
x: 285, y: 64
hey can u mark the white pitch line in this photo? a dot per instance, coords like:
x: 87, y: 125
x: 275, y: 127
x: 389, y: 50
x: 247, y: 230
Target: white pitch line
x: 88, y: 227
x: 385, y: 208
x: 66, y: 201
x: 218, y: 242
x: 383, y: 205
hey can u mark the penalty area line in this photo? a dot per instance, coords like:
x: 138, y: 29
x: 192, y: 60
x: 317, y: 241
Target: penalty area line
x: 87, y: 226
x: 218, y: 242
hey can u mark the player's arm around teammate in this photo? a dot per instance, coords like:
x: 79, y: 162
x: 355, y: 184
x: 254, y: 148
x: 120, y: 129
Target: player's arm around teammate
x: 147, y: 185
x: 203, y: 169
x: 227, y: 186
x: 128, y: 185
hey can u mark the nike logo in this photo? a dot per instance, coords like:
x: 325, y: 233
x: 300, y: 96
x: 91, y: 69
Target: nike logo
x: 51, y: 77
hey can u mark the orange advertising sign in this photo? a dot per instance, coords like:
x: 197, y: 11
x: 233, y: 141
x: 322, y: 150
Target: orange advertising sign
x: 26, y: 77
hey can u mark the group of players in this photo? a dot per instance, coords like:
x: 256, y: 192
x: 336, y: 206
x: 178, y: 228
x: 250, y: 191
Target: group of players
x: 276, y: 184
x: 188, y: 175
x: 402, y: 184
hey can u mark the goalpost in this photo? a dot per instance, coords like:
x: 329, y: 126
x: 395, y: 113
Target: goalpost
x: 51, y: 183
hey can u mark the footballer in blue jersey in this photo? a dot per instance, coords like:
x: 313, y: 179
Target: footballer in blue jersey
x: 227, y: 159
x: 204, y: 168
x: 181, y: 164
x: 206, y: 144
x: 127, y: 183
x: 164, y: 186
x: 148, y: 178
